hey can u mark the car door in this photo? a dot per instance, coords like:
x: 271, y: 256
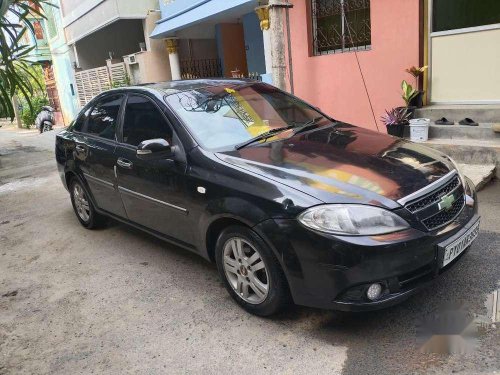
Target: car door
x: 95, y: 152
x: 153, y: 191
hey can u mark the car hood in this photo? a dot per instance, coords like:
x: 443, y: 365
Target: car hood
x: 342, y: 163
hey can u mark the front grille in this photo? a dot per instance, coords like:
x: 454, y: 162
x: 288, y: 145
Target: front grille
x: 434, y: 197
x: 426, y: 208
x: 445, y: 216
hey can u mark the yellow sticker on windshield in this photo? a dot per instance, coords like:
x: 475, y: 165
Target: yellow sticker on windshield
x: 255, y: 125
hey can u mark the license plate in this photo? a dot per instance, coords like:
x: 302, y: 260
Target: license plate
x: 455, y: 248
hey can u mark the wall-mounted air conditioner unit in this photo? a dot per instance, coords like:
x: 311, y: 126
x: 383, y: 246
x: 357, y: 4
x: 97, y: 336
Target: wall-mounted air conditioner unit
x: 130, y: 59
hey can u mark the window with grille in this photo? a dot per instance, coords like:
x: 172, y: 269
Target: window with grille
x: 340, y: 25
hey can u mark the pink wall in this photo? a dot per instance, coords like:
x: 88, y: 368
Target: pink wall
x: 333, y: 82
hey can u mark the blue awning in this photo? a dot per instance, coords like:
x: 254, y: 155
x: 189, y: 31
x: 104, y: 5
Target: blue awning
x: 198, y: 12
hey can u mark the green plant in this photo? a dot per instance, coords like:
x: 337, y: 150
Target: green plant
x: 29, y: 114
x: 15, y: 52
x: 408, y: 92
x: 395, y: 116
x: 122, y: 83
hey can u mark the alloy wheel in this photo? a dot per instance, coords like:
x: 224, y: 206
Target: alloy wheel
x: 81, y: 203
x: 245, y: 270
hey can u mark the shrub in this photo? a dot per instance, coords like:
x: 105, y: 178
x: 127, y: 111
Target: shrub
x: 28, y: 116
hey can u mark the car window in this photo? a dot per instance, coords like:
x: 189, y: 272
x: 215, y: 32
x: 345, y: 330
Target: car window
x: 104, y: 117
x: 80, y: 121
x: 143, y: 121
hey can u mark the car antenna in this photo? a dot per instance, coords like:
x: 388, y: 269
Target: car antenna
x: 359, y: 64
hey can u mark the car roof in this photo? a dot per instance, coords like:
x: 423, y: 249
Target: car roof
x: 173, y: 87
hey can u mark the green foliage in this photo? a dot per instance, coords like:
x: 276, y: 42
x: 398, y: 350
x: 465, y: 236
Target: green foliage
x: 395, y: 116
x: 29, y: 114
x: 34, y: 78
x: 118, y: 84
x: 408, y: 92
x: 16, y: 75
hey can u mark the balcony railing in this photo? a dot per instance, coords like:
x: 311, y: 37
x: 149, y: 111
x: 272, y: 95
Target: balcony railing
x: 201, y: 68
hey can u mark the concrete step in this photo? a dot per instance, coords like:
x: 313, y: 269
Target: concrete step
x: 480, y: 175
x: 479, y: 113
x: 470, y: 151
x: 483, y: 131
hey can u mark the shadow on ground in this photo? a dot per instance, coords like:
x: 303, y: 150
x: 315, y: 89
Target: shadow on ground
x: 386, y: 341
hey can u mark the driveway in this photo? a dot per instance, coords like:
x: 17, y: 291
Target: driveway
x: 117, y: 301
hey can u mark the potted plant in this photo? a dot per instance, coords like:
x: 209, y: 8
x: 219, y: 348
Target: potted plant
x: 395, y: 121
x: 236, y: 73
x: 417, y: 72
x: 409, y: 93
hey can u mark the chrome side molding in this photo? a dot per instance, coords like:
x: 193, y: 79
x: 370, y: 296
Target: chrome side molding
x: 151, y: 199
x: 99, y: 181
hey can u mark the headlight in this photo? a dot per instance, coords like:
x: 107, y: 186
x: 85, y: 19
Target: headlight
x: 352, y: 219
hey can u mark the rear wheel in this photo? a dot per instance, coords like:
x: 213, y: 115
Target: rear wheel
x: 84, y: 210
x: 250, y: 272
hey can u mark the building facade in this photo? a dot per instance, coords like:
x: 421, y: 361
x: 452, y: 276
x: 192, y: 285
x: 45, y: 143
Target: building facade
x: 330, y: 37
x: 41, y: 54
x: 62, y: 73
x: 462, y: 49
x: 214, y: 38
x: 110, y: 45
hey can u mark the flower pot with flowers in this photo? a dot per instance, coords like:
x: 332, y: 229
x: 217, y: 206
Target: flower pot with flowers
x: 395, y: 121
x: 417, y: 72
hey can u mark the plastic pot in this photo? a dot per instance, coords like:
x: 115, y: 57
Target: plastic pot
x: 396, y: 130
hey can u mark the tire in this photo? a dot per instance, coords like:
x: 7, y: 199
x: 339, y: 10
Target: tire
x: 86, y: 213
x: 241, y: 271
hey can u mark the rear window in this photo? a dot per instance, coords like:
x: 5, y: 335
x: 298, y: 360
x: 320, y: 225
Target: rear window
x: 80, y: 121
x: 104, y: 117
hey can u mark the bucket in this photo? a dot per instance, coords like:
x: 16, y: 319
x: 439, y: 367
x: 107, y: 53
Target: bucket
x: 419, y: 129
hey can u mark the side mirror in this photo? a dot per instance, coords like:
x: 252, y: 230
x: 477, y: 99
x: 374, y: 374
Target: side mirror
x: 154, y: 149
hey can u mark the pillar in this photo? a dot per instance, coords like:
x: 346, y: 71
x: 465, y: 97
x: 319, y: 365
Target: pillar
x: 173, y: 57
x: 271, y: 18
x: 17, y: 112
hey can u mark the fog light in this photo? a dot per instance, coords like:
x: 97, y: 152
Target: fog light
x: 374, y: 291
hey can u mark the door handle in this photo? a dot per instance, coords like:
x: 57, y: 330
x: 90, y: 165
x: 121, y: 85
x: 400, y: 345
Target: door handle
x: 80, y: 148
x: 124, y: 163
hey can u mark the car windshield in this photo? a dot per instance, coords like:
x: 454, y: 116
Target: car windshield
x: 222, y: 117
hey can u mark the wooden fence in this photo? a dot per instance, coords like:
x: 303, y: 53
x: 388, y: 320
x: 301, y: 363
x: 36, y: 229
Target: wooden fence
x: 92, y: 82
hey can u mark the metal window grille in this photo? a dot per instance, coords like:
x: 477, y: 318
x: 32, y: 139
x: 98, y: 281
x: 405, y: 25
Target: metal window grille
x: 340, y: 26
x: 201, y: 68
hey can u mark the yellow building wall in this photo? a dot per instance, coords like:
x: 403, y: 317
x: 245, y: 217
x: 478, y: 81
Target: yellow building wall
x: 465, y: 67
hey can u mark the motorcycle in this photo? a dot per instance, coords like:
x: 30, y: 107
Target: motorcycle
x: 45, y: 120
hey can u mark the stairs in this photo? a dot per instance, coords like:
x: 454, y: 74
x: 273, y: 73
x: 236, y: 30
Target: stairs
x: 477, y: 148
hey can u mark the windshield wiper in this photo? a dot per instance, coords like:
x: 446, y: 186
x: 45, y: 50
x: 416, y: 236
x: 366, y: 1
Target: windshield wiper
x: 311, y: 124
x: 263, y: 136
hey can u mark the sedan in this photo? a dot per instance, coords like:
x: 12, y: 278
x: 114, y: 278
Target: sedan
x: 292, y: 205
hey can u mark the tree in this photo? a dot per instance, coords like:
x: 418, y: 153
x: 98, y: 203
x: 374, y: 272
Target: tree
x: 16, y: 76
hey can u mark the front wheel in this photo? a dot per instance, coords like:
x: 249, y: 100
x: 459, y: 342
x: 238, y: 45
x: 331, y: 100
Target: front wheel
x: 251, y: 272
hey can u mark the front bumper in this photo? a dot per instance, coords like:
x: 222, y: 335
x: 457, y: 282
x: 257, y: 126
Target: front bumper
x: 333, y: 272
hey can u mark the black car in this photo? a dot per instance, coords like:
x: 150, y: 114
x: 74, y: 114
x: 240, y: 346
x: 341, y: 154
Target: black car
x: 290, y: 204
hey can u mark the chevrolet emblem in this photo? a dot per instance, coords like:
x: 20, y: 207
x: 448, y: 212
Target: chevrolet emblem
x: 446, y: 202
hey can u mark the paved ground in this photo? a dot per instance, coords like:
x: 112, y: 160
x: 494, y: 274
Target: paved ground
x: 117, y: 301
